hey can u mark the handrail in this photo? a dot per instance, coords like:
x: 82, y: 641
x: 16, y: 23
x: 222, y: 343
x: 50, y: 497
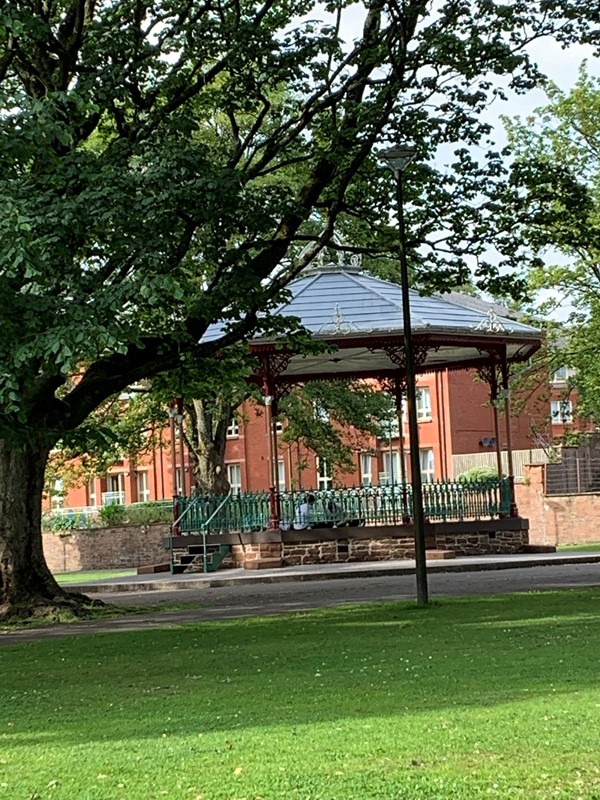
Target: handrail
x: 217, y: 509
x: 204, y: 529
x: 174, y: 525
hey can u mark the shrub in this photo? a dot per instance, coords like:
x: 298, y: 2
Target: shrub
x: 149, y: 513
x: 108, y: 516
x: 478, y: 474
x: 113, y: 515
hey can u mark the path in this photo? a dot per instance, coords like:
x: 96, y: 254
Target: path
x: 244, y: 598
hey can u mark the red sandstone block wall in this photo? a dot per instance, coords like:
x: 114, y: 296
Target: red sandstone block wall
x: 105, y: 548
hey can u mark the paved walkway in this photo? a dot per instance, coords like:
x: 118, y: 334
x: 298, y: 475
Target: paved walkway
x: 318, y: 572
x: 241, y: 593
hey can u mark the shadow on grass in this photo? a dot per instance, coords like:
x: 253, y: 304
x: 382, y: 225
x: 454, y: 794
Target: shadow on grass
x: 353, y: 662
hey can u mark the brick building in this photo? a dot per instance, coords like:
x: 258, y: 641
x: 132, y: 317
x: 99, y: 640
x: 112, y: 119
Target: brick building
x: 455, y: 418
x: 457, y: 424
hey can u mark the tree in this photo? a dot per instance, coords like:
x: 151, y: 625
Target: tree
x: 335, y: 419
x: 151, y: 185
x: 553, y: 203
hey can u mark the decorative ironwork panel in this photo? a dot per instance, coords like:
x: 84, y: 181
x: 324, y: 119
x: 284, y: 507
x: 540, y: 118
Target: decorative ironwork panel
x: 346, y: 507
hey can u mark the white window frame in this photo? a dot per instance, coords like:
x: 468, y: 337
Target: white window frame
x: 278, y: 427
x: 234, y: 477
x: 118, y: 479
x: 143, y: 487
x: 281, y: 484
x: 427, y: 464
x: 423, y: 403
x: 391, y: 466
x: 562, y: 374
x: 92, y: 493
x: 233, y: 429
x: 57, y: 497
x: 561, y: 412
x: 324, y: 475
x: 366, y: 469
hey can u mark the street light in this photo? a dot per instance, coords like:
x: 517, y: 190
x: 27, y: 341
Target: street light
x: 398, y: 158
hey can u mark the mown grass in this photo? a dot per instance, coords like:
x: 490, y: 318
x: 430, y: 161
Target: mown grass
x: 469, y: 698
x: 98, y: 575
x: 588, y: 547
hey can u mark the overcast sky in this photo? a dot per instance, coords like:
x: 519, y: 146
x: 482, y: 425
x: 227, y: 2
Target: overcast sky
x: 560, y: 65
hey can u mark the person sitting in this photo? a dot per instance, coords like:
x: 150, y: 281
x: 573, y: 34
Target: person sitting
x: 335, y: 512
x: 338, y: 518
x: 305, y: 514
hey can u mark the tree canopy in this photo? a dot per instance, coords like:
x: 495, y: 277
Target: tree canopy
x: 554, y: 200
x: 162, y: 167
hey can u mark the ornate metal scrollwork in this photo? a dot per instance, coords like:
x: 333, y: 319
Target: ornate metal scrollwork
x: 339, y: 325
x: 491, y: 323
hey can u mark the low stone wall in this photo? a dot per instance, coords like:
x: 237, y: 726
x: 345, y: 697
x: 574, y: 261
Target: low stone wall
x: 105, y: 548
x: 548, y: 521
x: 359, y: 544
x: 135, y: 546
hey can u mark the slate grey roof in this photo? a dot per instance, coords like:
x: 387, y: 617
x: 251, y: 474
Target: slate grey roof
x: 330, y: 302
x: 351, y: 307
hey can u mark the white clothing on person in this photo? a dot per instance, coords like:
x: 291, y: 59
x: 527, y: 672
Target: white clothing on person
x: 304, y: 516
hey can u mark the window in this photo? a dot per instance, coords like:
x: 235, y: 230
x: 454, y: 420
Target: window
x: 178, y: 481
x: 423, y: 403
x: 561, y: 411
x: 324, y: 478
x: 366, y: 469
x: 562, y: 375
x: 278, y: 426
x: 143, y: 491
x: 56, y: 494
x: 234, y: 477
x: 91, y: 493
x: 426, y: 461
x: 281, y: 475
x: 115, y: 485
x: 233, y: 429
x: 391, y: 467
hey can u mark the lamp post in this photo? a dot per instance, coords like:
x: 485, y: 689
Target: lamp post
x: 398, y: 158
x: 172, y: 415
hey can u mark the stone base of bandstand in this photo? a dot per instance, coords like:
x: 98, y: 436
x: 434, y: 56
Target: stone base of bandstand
x: 278, y: 548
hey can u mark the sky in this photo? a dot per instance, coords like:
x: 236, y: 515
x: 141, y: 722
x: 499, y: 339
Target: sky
x: 561, y: 65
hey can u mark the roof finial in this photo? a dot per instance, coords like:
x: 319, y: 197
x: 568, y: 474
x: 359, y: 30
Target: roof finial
x: 335, y: 258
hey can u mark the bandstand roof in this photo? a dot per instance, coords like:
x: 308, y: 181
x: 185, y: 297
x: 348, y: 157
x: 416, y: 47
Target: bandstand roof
x: 361, y: 316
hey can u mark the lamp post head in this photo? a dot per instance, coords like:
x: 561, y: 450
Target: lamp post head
x: 398, y: 158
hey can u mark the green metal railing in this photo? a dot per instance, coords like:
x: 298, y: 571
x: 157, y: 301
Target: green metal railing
x: 365, y: 505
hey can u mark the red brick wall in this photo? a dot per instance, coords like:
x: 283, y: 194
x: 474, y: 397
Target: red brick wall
x: 472, y: 419
x: 567, y: 519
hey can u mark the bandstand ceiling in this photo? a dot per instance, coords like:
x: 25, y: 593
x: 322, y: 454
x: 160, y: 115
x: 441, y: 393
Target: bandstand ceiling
x: 361, y: 316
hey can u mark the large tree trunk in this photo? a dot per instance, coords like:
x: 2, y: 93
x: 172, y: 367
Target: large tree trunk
x: 210, y: 424
x: 27, y: 587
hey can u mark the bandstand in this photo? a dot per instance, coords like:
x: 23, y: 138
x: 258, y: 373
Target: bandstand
x: 358, y: 319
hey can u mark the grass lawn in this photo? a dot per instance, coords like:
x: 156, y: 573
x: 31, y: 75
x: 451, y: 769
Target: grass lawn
x: 98, y: 575
x: 589, y: 547
x: 471, y: 698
